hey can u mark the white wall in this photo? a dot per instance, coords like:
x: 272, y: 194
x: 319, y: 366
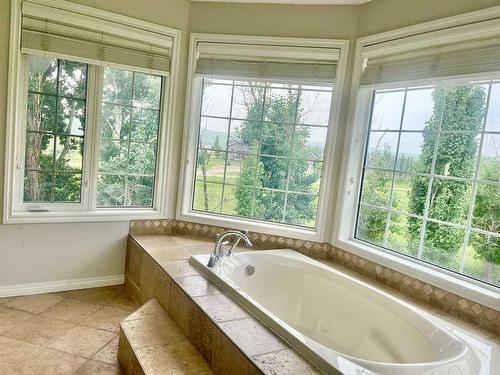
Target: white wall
x: 50, y: 253
x: 44, y: 255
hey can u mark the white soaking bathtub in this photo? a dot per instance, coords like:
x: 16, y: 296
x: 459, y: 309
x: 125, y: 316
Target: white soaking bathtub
x: 344, y: 325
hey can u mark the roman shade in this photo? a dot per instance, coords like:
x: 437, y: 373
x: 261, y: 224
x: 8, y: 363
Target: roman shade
x: 70, y: 34
x: 447, y: 60
x: 252, y: 61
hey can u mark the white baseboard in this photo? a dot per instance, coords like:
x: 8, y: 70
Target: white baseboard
x: 59, y: 286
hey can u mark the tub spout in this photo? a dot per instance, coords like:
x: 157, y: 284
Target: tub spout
x: 218, y: 252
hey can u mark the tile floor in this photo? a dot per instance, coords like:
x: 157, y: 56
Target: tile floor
x: 74, y: 332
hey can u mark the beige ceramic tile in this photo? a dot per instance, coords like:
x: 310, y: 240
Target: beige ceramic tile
x: 97, y: 296
x: 227, y: 359
x: 197, y: 286
x: 252, y: 337
x: 150, y: 310
x: 48, y: 362
x: 205, y: 248
x: 179, y: 307
x: 124, y: 301
x: 13, y: 351
x: 134, y: 261
x: 4, y: 300
x: 146, y: 332
x: 221, y: 308
x: 107, y: 318
x: 98, y: 368
x: 155, y: 240
x: 71, y: 310
x: 190, y: 240
x: 179, y: 268
x: 39, y: 330
x: 284, y: 362
x: 34, y: 304
x: 171, y: 359
x: 82, y: 341
x: 109, y: 353
x: 126, y: 357
x: 10, y: 318
x: 201, y: 331
x: 162, y: 253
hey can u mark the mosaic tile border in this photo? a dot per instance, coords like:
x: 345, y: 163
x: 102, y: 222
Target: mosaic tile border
x: 444, y: 300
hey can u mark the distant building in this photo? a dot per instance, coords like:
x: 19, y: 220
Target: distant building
x: 237, y: 150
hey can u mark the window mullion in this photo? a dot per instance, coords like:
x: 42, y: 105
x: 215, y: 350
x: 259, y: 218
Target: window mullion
x: 227, y: 147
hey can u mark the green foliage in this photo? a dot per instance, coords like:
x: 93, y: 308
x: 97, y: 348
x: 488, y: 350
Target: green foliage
x: 456, y: 109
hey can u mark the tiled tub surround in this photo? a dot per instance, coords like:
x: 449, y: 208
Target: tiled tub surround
x: 456, y: 308
x: 227, y: 336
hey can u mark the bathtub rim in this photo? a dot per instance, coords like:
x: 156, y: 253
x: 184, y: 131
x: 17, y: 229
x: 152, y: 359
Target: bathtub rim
x: 293, y: 337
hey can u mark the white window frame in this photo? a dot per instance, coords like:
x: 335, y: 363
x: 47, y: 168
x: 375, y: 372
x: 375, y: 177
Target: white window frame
x: 459, y: 28
x: 190, y: 137
x: 14, y: 209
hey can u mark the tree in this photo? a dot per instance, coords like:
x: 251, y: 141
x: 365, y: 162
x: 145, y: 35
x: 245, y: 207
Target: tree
x: 456, y: 109
x: 274, y: 137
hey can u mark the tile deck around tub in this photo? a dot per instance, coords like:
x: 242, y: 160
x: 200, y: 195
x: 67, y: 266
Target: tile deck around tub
x: 225, y: 334
x: 214, y: 322
x: 74, y: 332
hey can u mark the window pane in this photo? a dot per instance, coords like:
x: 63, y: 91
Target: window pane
x: 72, y: 79
x: 110, y: 190
x: 376, y: 187
x: 207, y: 196
x: 213, y: 133
x: 301, y: 209
x: 269, y: 156
x: 41, y: 113
x: 387, y: 110
x: 69, y: 153
x: 211, y: 165
x: 37, y: 186
x: 309, y: 142
x: 247, y: 102
x: 382, y: 150
x: 371, y: 225
x: 443, y: 245
x: 482, y: 258
x: 129, y: 138
x: 409, y: 193
x: 410, y: 152
x: 446, y: 156
x: 489, y: 167
x: 216, y: 100
x: 486, y: 213
x: 314, y: 107
x: 450, y: 200
x: 56, y: 114
x: 404, y: 234
x: 67, y: 187
x: 281, y: 105
x: 418, y: 109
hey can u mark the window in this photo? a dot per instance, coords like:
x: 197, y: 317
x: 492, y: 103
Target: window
x: 261, y: 149
x: 260, y: 133
x: 431, y: 176
x: 128, y: 138
x: 55, y: 130
x: 87, y: 131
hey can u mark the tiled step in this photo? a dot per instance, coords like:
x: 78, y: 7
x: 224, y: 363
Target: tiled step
x: 151, y: 343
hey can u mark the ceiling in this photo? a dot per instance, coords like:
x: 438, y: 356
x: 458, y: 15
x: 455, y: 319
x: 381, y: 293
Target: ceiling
x: 308, y: 2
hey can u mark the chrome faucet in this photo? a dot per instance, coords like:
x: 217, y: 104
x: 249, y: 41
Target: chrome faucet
x: 219, y: 253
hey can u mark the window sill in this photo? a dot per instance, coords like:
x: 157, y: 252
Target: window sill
x: 104, y: 214
x: 251, y: 225
x: 462, y: 286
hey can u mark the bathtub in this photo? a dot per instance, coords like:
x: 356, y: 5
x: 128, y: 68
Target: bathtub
x: 343, y: 325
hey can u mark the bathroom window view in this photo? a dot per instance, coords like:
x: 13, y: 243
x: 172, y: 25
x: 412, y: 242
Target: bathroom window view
x: 128, y: 140
x: 260, y: 150
x: 431, y: 180
x: 55, y: 130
